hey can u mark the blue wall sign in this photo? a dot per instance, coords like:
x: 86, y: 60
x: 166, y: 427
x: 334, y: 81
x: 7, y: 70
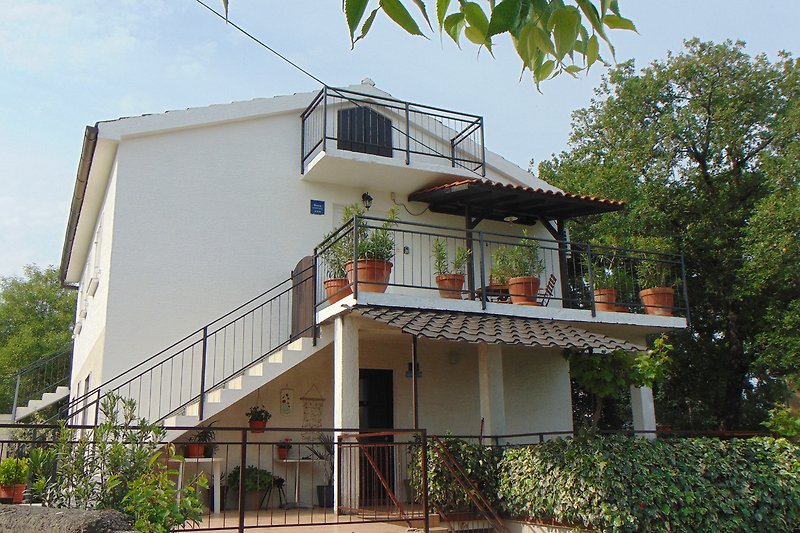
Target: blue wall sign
x: 317, y: 207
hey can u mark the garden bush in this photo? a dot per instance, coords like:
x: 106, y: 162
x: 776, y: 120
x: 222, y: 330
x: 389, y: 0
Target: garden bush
x: 629, y: 484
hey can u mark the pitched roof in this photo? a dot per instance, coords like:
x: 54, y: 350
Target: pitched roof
x: 493, y: 329
x: 497, y: 201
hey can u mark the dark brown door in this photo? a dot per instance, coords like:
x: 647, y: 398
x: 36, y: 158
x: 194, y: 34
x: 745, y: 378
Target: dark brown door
x: 376, y: 414
x: 303, y: 298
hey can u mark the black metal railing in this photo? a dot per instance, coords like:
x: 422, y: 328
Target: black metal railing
x: 34, y: 380
x: 387, y: 127
x: 183, y: 373
x: 564, y: 273
x: 368, y: 481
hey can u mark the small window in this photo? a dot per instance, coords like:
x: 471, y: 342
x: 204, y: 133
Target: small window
x: 364, y: 130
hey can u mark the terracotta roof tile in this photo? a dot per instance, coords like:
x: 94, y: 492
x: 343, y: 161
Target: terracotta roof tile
x: 493, y: 329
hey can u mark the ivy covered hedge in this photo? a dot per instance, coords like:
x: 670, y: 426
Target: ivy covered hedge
x: 628, y: 484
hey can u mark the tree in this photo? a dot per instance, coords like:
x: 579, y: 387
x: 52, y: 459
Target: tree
x: 703, y: 148
x: 546, y: 34
x: 36, y: 315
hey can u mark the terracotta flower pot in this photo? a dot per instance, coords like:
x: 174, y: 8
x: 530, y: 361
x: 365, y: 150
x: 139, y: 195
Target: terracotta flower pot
x: 195, y: 450
x: 450, y: 285
x: 373, y: 274
x: 283, y: 453
x: 605, y: 299
x: 337, y: 288
x: 658, y: 300
x: 524, y: 290
x: 15, y: 492
x: 258, y: 425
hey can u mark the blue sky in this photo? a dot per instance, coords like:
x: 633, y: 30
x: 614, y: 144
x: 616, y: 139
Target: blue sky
x: 67, y: 64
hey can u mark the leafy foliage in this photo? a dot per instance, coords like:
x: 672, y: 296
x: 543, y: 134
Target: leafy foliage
x: 13, y: 471
x: 547, y: 35
x: 255, y: 479
x: 258, y: 413
x: 518, y: 260
x: 119, y: 465
x: 479, y: 462
x: 610, y: 375
x: 442, y: 266
x: 630, y: 484
x: 36, y: 316
x: 702, y: 147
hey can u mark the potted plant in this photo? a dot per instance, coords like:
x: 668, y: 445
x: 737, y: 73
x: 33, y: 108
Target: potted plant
x: 283, y: 448
x: 375, y: 251
x: 256, y: 482
x: 656, y: 280
x: 520, y: 265
x: 334, y: 257
x: 604, y: 284
x: 449, y: 276
x: 258, y: 417
x: 323, y: 451
x: 13, y: 478
x: 198, y: 444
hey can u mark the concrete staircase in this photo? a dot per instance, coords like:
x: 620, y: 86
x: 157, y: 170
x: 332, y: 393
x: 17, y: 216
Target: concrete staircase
x: 249, y: 380
x: 48, y: 398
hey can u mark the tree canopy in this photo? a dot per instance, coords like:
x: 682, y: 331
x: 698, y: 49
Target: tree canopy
x: 703, y: 148
x: 551, y: 37
x: 36, y: 315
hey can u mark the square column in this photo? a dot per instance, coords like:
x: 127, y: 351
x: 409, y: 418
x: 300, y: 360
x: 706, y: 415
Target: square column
x: 644, y: 411
x: 345, y: 410
x: 490, y: 385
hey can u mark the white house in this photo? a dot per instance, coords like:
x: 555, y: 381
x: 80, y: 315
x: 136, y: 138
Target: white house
x: 182, y: 217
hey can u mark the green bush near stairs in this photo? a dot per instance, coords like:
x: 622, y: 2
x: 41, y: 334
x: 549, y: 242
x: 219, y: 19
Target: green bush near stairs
x: 616, y: 483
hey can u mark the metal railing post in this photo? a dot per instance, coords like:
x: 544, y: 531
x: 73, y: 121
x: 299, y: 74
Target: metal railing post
x: 408, y: 136
x: 424, y: 465
x: 685, y: 290
x: 202, y: 401
x: 355, y: 256
x: 483, y: 152
x: 315, y: 285
x: 484, y: 286
x: 324, y: 118
x: 303, y: 144
x: 242, y: 467
x: 591, y: 277
x: 16, y: 398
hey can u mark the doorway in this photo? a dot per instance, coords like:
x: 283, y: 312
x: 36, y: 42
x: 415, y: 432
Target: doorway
x: 376, y: 413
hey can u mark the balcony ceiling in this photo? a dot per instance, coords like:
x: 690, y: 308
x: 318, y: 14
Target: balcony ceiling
x: 495, y: 201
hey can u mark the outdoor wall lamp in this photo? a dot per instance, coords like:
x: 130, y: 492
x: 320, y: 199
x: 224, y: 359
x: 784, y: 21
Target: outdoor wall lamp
x: 367, y: 200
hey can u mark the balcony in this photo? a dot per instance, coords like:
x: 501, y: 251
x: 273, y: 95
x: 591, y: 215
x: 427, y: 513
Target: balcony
x: 571, y: 281
x: 355, y: 138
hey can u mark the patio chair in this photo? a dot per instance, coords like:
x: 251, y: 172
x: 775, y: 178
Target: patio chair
x: 547, y: 293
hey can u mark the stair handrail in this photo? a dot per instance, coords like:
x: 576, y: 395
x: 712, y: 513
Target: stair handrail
x: 94, y: 396
x: 465, y: 482
x: 43, y: 362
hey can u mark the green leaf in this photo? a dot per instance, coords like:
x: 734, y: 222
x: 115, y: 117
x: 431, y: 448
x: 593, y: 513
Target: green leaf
x: 619, y: 23
x: 542, y: 40
x: 225, y: 7
x: 398, y: 13
x: 367, y: 24
x: 565, y: 22
x: 353, y: 12
x: 592, y: 50
x: 541, y: 73
x: 421, y: 6
x: 504, y: 17
x: 476, y: 18
x: 453, y: 25
x: 475, y: 35
x: 441, y: 11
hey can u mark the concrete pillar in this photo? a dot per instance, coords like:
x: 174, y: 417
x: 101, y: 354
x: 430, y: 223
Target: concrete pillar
x: 644, y: 411
x: 490, y: 384
x: 345, y: 410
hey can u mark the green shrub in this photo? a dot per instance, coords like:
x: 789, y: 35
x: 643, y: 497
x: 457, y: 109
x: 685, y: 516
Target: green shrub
x: 13, y: 471
x: 630, y: 484
x: 255, y: 479
x: 444, y: 493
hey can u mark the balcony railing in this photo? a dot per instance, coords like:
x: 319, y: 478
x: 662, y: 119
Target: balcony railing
x: 570, y: 274
x: 358, y: 122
